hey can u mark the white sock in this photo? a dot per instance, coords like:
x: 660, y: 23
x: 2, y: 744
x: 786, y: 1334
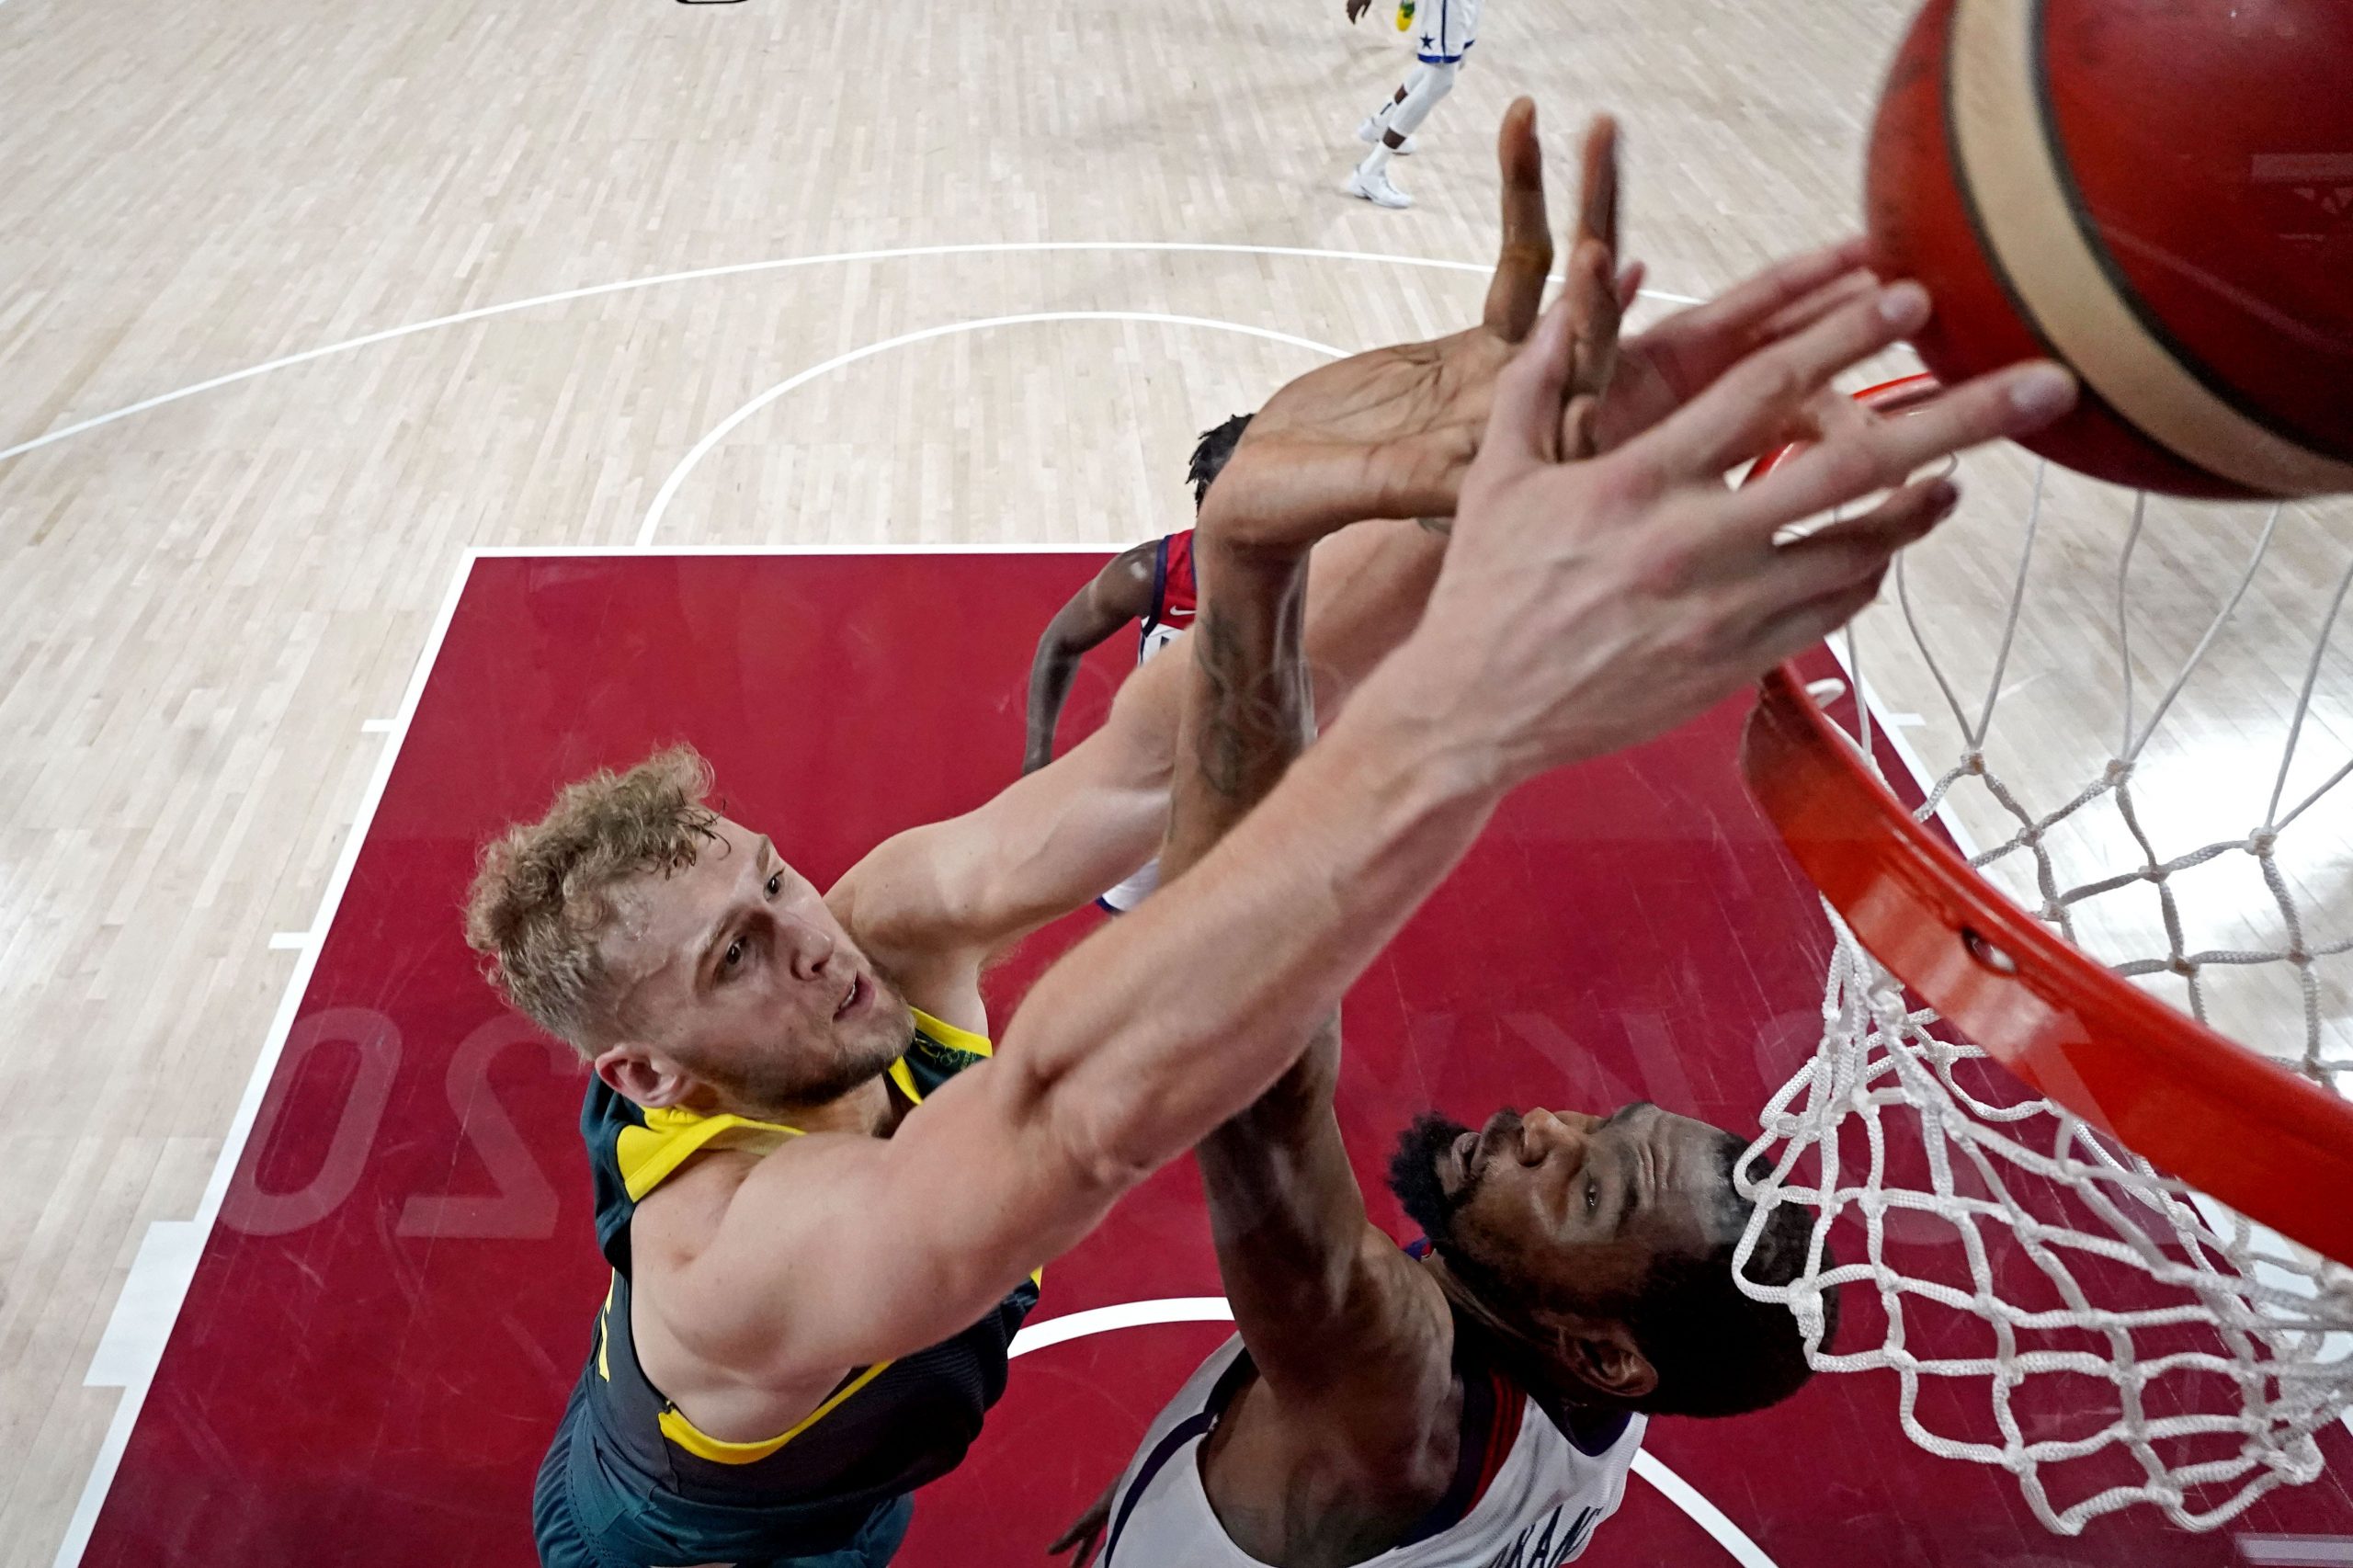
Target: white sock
x: 1375, y: 162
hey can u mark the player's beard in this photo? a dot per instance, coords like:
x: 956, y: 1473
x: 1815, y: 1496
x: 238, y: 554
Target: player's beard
x: 781, y: 1080
x: 1414, y: 1176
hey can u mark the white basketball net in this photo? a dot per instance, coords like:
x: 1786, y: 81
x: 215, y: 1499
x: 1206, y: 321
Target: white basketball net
x: 2047, y: 1301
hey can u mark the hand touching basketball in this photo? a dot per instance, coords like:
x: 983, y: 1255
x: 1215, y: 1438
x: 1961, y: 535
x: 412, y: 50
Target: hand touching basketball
x: 1587, y: 606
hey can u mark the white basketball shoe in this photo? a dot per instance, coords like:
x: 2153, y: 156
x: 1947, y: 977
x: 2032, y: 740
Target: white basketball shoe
x: 1376, y: 188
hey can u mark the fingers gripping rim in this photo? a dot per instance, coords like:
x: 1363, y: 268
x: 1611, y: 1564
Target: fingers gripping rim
x: 2272, y: 1145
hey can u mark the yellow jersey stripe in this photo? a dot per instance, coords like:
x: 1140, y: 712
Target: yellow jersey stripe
x: 950, y: 1035
x: 605, y: 1331
x: 648, y: 1154
x: 687, y: 1436
x: 670, y: 1137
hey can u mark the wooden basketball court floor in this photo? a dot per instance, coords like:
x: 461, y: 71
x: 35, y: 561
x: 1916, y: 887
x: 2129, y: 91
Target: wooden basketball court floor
x: 299, y: 307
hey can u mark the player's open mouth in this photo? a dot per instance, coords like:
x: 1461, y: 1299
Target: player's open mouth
x: 858, y: 991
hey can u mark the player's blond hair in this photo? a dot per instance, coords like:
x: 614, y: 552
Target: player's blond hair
x: 541, y: 902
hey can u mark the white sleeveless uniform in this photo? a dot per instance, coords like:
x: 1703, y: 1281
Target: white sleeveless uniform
x: 1539, y: 1511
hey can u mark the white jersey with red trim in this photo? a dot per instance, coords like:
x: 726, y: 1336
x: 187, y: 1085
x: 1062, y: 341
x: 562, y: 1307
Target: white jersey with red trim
x: 1532, y: 1498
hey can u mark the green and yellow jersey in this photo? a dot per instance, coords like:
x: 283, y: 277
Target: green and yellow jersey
x: 642, y: 1484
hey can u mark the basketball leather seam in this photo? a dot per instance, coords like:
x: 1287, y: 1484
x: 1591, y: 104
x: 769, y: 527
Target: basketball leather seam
x: 2062, y: 169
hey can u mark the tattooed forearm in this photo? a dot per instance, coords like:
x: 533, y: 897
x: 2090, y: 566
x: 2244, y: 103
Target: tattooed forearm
x: 1218, y: 746
x: 1249, y: 710
x: 1255, y: 716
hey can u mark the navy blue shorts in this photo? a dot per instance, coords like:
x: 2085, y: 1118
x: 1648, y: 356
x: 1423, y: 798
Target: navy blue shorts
x: 583, y: 1519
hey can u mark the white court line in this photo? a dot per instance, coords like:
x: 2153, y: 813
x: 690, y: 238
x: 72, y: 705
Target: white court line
x: 1125, y: 1315
x: 719, y: 431
x: 241, y: 1126
x: 141, y: 1319
x: 2297, y: 1550
x: 483, y: 312
x: 1213, y: 1309
x: 616, y: 552
x: 1704, y: 1513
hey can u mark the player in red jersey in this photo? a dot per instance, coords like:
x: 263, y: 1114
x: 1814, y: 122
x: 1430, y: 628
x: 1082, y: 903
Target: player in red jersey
x: 1151, y: 583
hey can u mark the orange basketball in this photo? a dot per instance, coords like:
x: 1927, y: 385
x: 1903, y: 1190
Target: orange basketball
x: 2157, y: 192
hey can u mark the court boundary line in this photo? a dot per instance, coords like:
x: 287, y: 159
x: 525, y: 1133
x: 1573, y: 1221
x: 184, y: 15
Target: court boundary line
x: 746, y: 269
x: 99, y: 1483
x: 659, y: 506
x: 1092, y: 1321
x: 978, y: 547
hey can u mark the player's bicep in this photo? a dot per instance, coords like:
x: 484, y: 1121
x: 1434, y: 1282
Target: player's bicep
x: 1367, y: 587
x: 957, y: 890
x: 840, y: 1250
x: 1371, y: 1364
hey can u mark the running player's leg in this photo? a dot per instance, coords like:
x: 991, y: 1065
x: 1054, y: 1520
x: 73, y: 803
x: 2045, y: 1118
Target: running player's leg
x: 1370, y: 179
x: 1374, y: 126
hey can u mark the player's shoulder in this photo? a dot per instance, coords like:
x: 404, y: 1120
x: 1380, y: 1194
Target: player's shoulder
x: 676, y: 1224
x: 1134, y: 570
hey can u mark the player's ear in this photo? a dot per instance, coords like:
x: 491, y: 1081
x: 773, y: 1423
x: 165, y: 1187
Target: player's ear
x: 635, y: 1074
x: 1605, y: 1359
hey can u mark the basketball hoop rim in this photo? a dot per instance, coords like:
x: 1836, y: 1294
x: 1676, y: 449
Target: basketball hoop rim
x: 2274, y: 1146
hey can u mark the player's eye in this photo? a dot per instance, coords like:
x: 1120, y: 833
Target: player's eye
x: 734, y: 957
x: 1592, y: 1195
x: 776, y: 884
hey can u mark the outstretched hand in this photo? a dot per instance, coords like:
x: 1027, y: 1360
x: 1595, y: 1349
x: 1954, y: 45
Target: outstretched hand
x: 1660, y: 371
x: 1588, y: 605
x: 1390, y: 433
